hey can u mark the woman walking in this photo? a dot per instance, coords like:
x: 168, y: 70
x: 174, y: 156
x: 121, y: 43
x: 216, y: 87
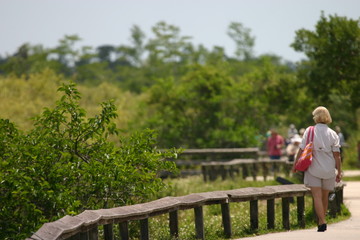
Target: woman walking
x: 325, y: 168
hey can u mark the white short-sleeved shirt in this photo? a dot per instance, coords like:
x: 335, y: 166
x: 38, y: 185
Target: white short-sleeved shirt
x: 326, y: 141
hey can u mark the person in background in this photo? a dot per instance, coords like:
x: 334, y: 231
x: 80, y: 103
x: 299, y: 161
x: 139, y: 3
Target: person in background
x: 291, y: 133
x: 293, y: 147
x: 275, y: 143
x: 325, y: 168
x: 342, y: 141
x: 301, y: 132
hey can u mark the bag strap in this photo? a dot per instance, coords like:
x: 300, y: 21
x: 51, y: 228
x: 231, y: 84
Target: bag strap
x: 310, y: 135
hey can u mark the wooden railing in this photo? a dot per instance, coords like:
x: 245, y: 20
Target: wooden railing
x: 86, y: 225
x: 225, y: 162
x: 246, y: 167
x: 221, y: 153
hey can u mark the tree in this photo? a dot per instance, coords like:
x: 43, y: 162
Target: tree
x: 30, y: 59
x: 138, y: 45
x: 243, y: 40
x: 168, y: 45
x: 201, y: 109
x: 105, y: 53
x: 333, y: 67
x: 66, y: 54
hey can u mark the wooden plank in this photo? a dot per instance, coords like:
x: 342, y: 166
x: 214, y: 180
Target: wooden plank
x: 292, y: 190
x: 219, y: 150
x: 67, y: 226
x: 47, y: 231
x: 89, y: 217
x: 226, y: 220
x: 199, y: 223
x: 199, y: 199
x: 244, y: 194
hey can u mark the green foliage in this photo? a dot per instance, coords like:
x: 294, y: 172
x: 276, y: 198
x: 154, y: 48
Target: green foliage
x: 24, y: 98
x: 67, y: 164
x: 208, y: 107
x: 250, y: 95
x: 333, y: 69
x: 194, y: 112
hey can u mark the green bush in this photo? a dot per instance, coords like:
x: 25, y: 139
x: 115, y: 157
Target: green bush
x: 67, y: 164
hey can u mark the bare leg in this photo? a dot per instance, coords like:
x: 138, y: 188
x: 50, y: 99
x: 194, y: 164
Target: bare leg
x: 325, y: 200
x: 320, y: 210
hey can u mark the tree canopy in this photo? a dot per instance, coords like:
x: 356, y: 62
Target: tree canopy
x: 333, y: 50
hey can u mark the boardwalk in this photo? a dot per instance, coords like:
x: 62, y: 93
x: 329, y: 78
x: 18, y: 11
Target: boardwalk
x: 347, y: 230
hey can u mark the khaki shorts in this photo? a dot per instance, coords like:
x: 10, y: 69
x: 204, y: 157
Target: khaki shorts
x: 312, y: 181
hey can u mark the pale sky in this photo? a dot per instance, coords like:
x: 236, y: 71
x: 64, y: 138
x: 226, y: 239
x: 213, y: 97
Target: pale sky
x: 272, y: 22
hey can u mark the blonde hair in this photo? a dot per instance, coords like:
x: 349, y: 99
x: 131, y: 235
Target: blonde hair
x: 321, y: 115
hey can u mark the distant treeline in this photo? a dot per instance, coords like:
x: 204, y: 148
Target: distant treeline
x: 199, y: 97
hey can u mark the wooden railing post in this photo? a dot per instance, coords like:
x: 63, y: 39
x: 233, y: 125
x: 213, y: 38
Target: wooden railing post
x: 204, y: 173
x: 225, y: 211
x: 270, y: 213
x: 254, y: 170
x: 144, y: 229
x: 286, y: 213
x: 254, y: 219
x: 338, y: 200
x: 231, y: 172
x: 199, y: 222
x: 244, y: 171
x: 108, y: 232
x: 174, y: 223
x: 84, y: 236
x: 301, y: 211
x: 341, y: 194
x: 212, y: 173
x: 221, y: 172
x: 93, y: 233
x: 265, y: 169
x: 124, y: 230
x: 333, y: 206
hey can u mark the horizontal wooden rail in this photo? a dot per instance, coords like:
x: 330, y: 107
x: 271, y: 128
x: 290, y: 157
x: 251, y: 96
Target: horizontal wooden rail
x: 190, y: 161
x: 220, y: 150
x: 209, y: 154
x: 85, y: 225
x: 249, y: 167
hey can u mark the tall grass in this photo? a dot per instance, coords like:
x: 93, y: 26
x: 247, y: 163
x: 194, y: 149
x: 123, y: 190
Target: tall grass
x: 23, y: 98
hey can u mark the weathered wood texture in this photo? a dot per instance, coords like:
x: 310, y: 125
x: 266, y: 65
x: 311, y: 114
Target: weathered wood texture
x: 85, y: 225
